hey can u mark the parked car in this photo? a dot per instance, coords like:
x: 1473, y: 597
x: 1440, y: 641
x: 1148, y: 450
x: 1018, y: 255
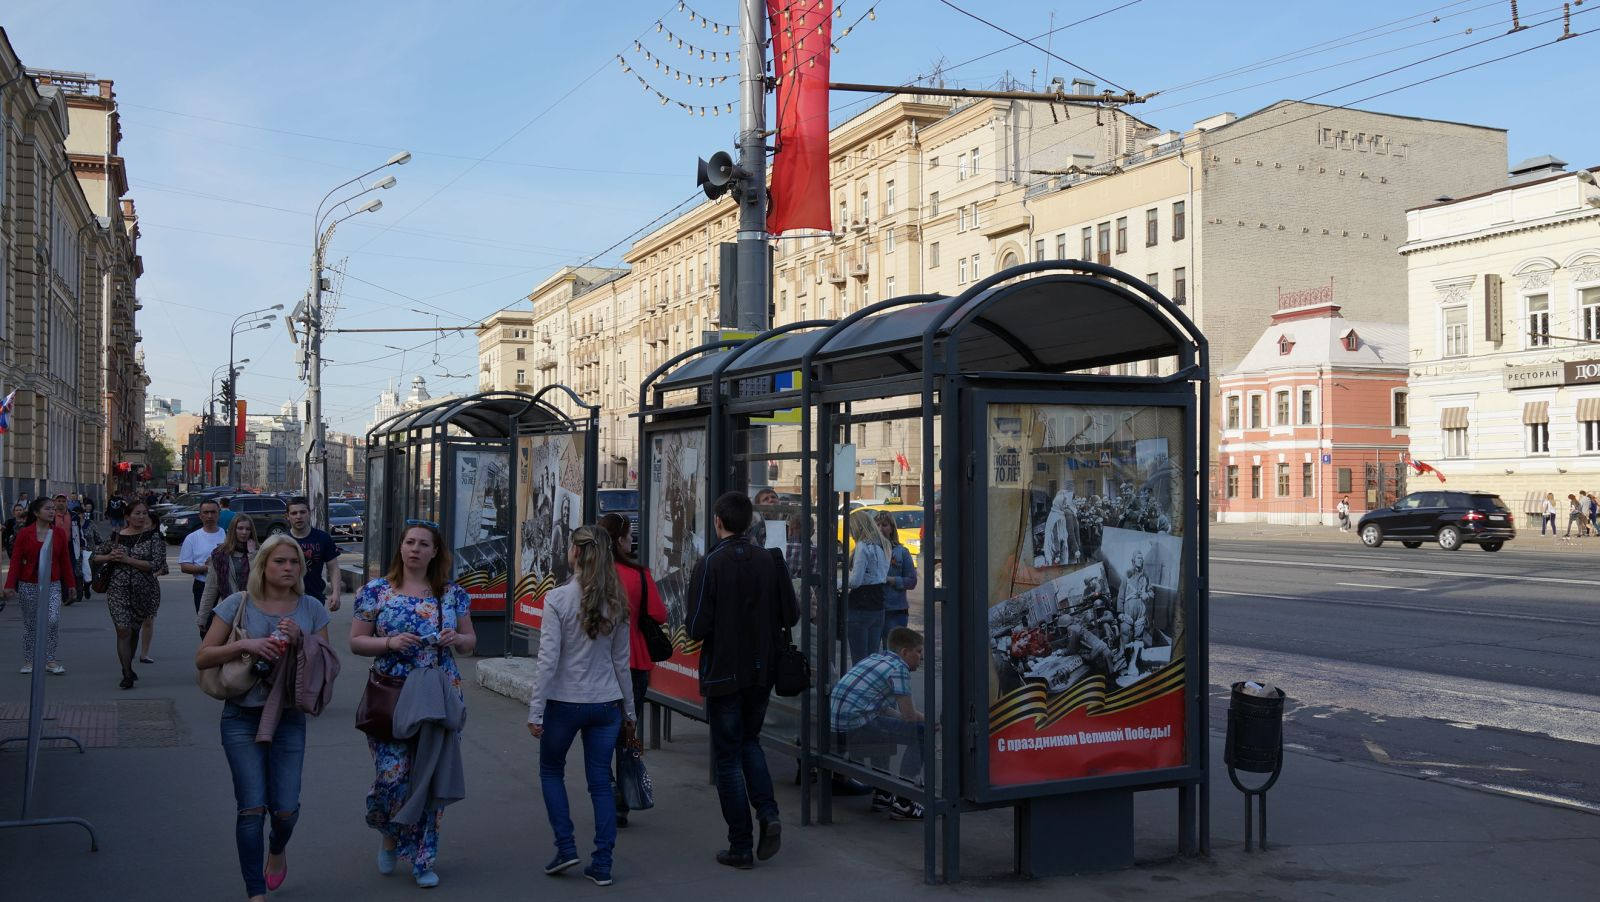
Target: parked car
x: 271, y: 515
x: 360, y: 505
x: 907, y: 525
x: 624, y: 502
x: 186, y: 501
x: 344, y: 524
x: 1449, y: 518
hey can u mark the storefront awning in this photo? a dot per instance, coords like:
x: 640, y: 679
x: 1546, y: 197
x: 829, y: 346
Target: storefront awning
x: 1588, y: 410
x: 1535, y: 412
x: 1453, y: 418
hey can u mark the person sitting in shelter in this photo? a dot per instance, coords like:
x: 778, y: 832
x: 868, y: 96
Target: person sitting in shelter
x: 871, y: 710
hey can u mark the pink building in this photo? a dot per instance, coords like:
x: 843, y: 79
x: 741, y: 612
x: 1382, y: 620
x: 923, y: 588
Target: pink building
x: 1315, y: 412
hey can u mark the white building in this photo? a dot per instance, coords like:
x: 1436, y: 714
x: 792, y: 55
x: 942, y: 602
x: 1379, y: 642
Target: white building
x: 1504, y: 294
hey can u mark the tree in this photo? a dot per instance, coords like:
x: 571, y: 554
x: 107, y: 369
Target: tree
x: 159, y: 454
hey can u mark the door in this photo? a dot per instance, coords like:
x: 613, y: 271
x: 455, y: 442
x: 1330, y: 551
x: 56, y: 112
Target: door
x: 1407, y: 518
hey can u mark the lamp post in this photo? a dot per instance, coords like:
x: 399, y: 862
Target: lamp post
x: 316, y: 475
x: 211, y: 406
x: 260, y: 322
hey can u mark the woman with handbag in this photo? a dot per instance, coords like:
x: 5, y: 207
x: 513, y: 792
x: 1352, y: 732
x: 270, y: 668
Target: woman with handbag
x: 583, y: 687
x: 644, y: 601
x: 410, y: 618
x: 130, y: 563
x: 869, y: 573
x: 227, y: 568
x: 255, y: 627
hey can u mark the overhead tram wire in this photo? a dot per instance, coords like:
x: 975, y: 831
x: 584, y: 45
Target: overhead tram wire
x: 1050, y: 53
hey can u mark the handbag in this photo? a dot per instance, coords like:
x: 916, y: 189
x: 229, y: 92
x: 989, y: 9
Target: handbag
x: 655, y: 638
x: 866, y: 598
x: 234, y: 678
x: 793, y: 673
x: 634, y: 788
x: 375, y: 713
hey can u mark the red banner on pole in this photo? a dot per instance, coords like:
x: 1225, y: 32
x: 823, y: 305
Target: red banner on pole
x: 238, y: 429
x: 801, y: 50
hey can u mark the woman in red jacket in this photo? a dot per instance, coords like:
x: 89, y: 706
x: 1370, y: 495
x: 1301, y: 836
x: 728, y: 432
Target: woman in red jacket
x: 38, y: 522
x: 640, y: 587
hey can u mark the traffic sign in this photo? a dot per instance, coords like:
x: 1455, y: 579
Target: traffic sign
x: 1327, y: 458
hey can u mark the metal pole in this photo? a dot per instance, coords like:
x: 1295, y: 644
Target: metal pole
x: 752, y: 285
x: 315, y: 459
x: 233, y: 404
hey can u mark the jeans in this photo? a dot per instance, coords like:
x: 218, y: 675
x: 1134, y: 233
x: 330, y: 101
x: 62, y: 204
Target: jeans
x: 266, y: 780
x: 862, y: 630
x: 641, y: 683
x: 878, y: 738
x: 601, y: 724
x: 1550, y: 521
x: 199, y: 589
x: 28, y: 595
x: 892, y: 619
x: 742, y: 777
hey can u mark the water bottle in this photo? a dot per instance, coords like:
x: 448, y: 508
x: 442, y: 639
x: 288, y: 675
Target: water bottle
x: 262, y: 666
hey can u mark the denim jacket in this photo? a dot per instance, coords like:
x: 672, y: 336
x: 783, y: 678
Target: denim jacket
x: 902, y: 578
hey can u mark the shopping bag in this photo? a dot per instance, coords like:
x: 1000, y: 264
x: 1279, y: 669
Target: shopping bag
x: 633, y: 780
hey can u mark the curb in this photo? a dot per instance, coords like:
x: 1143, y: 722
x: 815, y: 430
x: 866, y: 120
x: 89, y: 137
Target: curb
x: 511, y: 677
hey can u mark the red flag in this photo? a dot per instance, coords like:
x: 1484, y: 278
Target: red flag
x: 1423, y: 468
x: 901, y: 460
x: 802, y: 33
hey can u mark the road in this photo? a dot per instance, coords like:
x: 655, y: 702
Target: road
x: 1463, y: 666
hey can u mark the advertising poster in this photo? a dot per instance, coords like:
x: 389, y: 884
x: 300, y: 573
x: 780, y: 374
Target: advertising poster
x: 677, y: 542
x: 550, y: 503
x: 377, y: 491
x: 1085, y: 622
x: 480, y: 539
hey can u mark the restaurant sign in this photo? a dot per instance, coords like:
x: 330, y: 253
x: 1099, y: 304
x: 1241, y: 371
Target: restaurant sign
x: 1544, y: 375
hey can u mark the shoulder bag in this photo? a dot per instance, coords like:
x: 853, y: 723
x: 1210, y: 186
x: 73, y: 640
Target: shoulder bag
x: 375, y: 713
x: 234, y: 678
x: 655, y: 638
x: 793, y: 674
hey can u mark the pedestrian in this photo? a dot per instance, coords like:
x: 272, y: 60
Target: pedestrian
x: 901, y: 579
x: 1575, y: 516
x: 322, y: 572
x: 869, y: 570
x: 116, y: 511
x: 409, y: 619
x: 644, y: 599
x: 68, y: 520
x: 136, y: 557
x: 1548, y: 517
x: 742, y: 602
x: 583, y: 687
x: 1594, y: 514
x: 227, y: 568
x: 8, y: 534
x: 872, y: 711
x: 1344, y: 514
x: 266, y: 775
x: 225, y: 516
x: 22, y: 579
x: 197, y: 546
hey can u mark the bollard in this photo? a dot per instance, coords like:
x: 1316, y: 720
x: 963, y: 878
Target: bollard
x: 1254, y: 744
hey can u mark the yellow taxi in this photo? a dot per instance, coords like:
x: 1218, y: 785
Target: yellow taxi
x: 907, y: 525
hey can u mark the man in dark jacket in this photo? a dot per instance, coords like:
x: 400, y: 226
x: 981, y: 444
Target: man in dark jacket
x: 740, y: 601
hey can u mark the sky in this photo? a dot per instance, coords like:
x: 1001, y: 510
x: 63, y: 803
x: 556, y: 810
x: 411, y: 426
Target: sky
x: 532, y: 149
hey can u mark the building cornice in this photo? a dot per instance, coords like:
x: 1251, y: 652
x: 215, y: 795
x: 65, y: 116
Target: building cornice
x: 1532, y: 225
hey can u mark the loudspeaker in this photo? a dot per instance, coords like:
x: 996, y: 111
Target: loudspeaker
x: 715, y: 176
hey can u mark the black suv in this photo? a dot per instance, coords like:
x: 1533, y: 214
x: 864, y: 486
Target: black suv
x: 270, y: 513
x: 1449, y: 518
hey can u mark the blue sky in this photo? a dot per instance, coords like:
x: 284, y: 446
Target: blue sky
x: 534, y: 150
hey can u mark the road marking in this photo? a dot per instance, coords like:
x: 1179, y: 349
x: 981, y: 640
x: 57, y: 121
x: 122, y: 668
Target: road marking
x: 1456, y: 573
x: 1409, y: 607
x: 1376, y: 586
x: 1376, y: 751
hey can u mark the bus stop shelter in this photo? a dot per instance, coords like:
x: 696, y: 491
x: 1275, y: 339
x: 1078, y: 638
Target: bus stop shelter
x: 1055, y: 411
x: 481, y: 468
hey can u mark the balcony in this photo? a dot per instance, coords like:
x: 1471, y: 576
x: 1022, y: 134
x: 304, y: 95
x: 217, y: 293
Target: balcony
x: 836, y: 277
x: 547, y: 362
x: 859, y: 225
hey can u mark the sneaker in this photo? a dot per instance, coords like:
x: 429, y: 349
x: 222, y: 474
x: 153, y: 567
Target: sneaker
x: 386, y: 859
x: 771, y: 839
x: 561, y: 862
x: 744, y: 861
x: 904, y: 809
x: 55, y: 668
x: 26, y: 668
x: 881, y: 800
x: 427, y: 880
x: 600, y: 877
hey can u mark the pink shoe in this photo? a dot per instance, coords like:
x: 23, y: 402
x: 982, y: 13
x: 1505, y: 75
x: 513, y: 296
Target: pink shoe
x: 276, y: 880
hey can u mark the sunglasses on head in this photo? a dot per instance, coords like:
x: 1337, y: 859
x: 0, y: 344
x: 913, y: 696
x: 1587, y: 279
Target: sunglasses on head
x: 428, y: 523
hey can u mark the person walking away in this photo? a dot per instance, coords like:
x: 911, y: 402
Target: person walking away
x: 871, y: 708
x: 583, y: 687
x: 901, y: 579
x: 869, y: 572
x: 266, y: 775
x: 644, y: 598
x: 741, y: 601
x: 1344, y: 513
x: 322, y: 570
x: 1594, y: 514
x: 225, y: 515
x: 412, y: 617
x: 8, y: 533
x: 67, y: 519
x: 227, y: 568
x: 197, y: 546
x: 1574, y: 516
x: 22, y: 580
x: 1548, y: 517
x: 116, y: 512
x: 136, y: 557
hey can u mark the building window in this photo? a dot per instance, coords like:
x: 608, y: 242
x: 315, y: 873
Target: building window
x: 1152, y: 226
x: 1306, y: 396
x: 1255, y: 481
x: 1589, y: 312
x: 866, y: 206
x: 933, y: 255
x: 975, y: 166
x: 1153, y: 279
x: 1281, y: 408
x: 1255, y: 411
x: 1538, y: 320
x: 961, y: 167
x: 1344, y: 480
x: 1538, y: 438
x: 1088, y: 244
x: 1233, y: 412
x: 1400, y: 419
x: 844, y: 215
x: 1122, y: 234
x: 1455, y: 332
x: 888, y: 241
x: 1038, y: 249
x: 975, y: 222
x: 888, y: 196
x: 961, y: 270
x: 1455, y: 443
x: 933, y: 204
x: 1305, y: 480
x: 975, y: 273
x: 888, y: 287
x: 1105, y: 238
x: 1233, y: 481
x: 1591, y: 435
x: 1284, y: 346
x: 522, y: 377
x: 1178, y: 223
x: 522, y: 353
x: 1180, y: 284
x: 1061, y: 246
x: 1283, y: 480
x: 961, y: 225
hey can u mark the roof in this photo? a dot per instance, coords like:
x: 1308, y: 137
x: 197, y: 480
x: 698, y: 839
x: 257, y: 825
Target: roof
x: 494, y: 414
x: 1317, y: 343
x: 1508, y: 186
x: 1349, y: 109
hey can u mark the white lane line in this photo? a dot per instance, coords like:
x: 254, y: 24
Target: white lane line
x: 1371, y: 569
x: 1376, y: 586
x: 1425, y: 609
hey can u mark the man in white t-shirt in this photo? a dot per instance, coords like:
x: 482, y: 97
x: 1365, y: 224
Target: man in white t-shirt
x: 198, y: 545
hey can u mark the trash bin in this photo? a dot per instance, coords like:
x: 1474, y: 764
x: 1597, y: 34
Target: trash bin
x: 1255, y: 731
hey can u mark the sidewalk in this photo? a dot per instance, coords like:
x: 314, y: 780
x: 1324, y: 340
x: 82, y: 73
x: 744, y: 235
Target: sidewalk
x: 157, y: 789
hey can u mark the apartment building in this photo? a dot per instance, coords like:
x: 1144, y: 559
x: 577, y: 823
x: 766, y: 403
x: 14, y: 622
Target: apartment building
x: 1504, y: 298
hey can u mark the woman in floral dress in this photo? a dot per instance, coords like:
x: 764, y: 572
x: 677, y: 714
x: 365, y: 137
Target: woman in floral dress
x: 137, y: 557
x: 410, y: 618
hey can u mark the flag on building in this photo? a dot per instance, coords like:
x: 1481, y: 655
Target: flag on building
x: 801, y: 49
x: 5, y: 412
x: 901, y: 460
x: 1423, y: 468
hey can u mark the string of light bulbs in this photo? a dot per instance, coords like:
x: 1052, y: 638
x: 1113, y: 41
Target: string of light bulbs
x: 838, y: 13
x: 688, y: 78
x: 691, y: 108
x: 716, y: 27
x: 704, y: 52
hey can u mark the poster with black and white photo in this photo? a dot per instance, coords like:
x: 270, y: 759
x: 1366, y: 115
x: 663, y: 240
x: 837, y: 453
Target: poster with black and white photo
x: 1085, y: 549
x: 480, y: 541
x: 677, y: 493
x: 550, y: 507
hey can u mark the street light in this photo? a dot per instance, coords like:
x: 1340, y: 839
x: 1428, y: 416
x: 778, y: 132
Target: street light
x: 258, y: 322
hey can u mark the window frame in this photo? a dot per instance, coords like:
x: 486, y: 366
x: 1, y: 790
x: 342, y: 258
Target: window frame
x: 1152, y: 226
x: 1255, y: 481
x: 1308, y: 406
x: 1445, y: 328
x: 1282, y: 407
x: 1180, y: 220
x: 1536, y: 438
x: 1535, y: 321
x: 1231, y: 481
x: 1180, y: 285
x: 1307, y: 479
x: 1282, y: 479
x: 1122, y: 234
x: 1455, y: 443
x: 1400, y: 408
x: 1233, y: 412
x: 1256, y: 410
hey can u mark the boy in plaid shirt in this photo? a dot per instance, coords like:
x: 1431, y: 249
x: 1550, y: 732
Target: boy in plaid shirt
x: 871, y: 708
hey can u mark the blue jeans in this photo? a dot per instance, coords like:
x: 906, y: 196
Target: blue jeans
x: 266, y: 780
x: 1550, y: 521
x: 883, y: 734
x: 862, y: 630
x: 743, y: 780
x: 601, y: 724
x: 892, y: 619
